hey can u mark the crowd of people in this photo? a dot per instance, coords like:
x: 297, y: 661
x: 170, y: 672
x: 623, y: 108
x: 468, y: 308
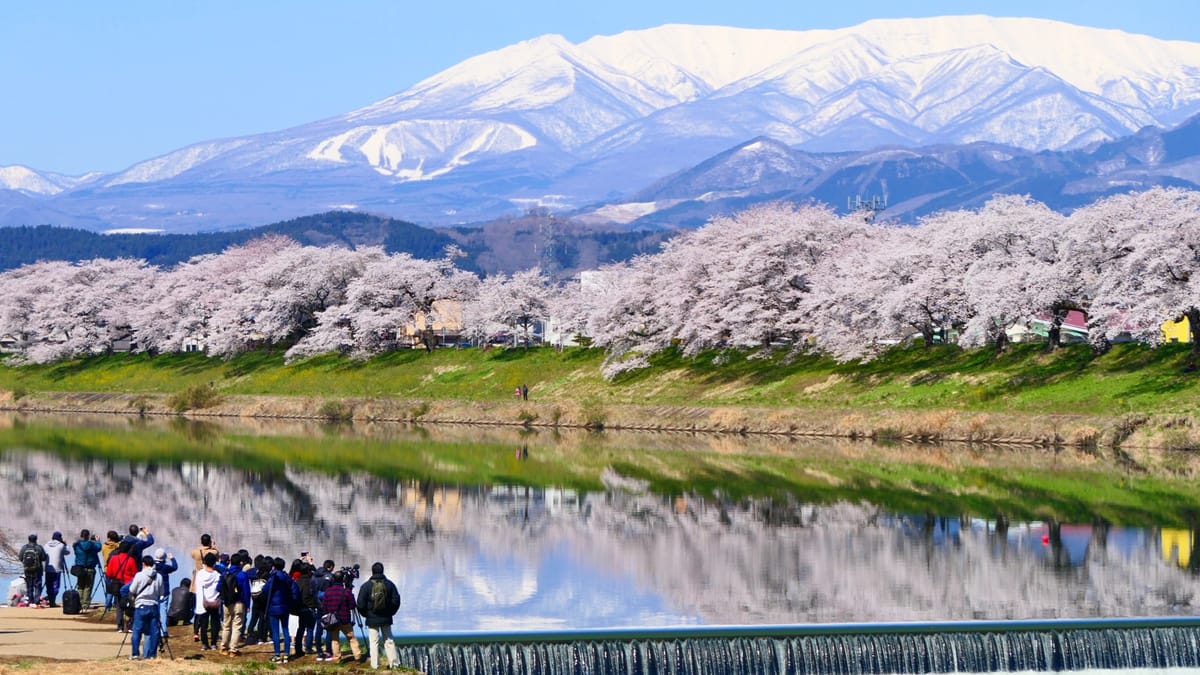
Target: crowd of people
x: 230, y: 599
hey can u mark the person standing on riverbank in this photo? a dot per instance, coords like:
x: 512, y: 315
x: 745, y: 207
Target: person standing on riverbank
x: 121, y: 570
x: 164, y: 564
x: 145, y: 590
x: 279, y: 598
x: 378, y: 602
x: 87, y: 559
x: 339, y: 601
x: 139, y: 539
x: 111, y: 543
x: 33, y: 561
x: 208, y: 603
x: 198, y: 553
x: 56, y: 553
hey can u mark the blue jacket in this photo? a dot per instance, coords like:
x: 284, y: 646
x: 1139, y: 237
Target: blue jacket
x: 87, y: 553
x: 139, y: 546
x: 279, y: 593
x: 164, y: 570
x: 244, y: 596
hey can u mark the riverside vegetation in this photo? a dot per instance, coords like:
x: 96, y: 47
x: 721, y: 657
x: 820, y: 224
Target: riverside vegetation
x: 1129, y: 397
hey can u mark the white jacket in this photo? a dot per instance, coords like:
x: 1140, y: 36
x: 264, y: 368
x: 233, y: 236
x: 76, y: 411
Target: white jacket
x: 207, y: 587
x: 55, y: 551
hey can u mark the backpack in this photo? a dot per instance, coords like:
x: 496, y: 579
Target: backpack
x: 296, y: 603
x: 379, y: 603
x: 31, y: 560
x: 229, y: 589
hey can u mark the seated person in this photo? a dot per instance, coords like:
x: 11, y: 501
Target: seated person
x: 183, y: 602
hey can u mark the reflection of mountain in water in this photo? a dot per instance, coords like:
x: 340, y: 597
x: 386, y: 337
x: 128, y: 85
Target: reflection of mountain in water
x: 468, y: 558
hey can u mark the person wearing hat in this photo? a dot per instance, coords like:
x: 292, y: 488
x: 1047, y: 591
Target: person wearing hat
x: 33, y: 559
x: 56, y: 552
x: 164, y: 564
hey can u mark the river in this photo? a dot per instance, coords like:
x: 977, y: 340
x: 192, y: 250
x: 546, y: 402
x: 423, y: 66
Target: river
x: 501, y: 529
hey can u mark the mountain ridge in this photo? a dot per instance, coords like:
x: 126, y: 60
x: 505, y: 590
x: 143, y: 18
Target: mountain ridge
x: 611, y: 114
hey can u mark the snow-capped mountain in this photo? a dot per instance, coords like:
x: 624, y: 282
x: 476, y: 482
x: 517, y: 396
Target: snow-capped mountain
x: 27, y: 180
x: 614, y: 113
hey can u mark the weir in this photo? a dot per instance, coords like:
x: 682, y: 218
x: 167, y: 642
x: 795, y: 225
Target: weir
x: 976, y: 646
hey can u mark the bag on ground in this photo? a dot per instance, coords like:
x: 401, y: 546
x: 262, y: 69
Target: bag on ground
x: 71, y: 603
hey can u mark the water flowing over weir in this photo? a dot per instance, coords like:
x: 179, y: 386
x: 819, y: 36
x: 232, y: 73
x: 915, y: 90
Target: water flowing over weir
x: 985, y: 646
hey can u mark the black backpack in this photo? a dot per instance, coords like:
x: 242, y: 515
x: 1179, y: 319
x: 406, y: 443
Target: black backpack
x: 229, y: 589
x: 31, y: 558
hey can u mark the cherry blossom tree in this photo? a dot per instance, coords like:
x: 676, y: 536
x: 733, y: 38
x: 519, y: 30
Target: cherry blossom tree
x: 514, y: 304
x: 1149, y: 267
x: 208, y: 298
x: 887, y: 283
x: 1021, y: 265
x: 60, y: 309
x: 391, y: 295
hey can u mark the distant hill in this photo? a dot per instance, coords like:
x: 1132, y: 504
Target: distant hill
x: 46, y: 242
x: 536, y: 239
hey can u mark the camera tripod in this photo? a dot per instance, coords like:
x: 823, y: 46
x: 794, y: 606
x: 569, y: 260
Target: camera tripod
x: 164, y: 638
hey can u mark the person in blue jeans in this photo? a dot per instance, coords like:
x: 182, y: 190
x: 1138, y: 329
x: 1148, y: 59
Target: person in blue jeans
x: 302, y: 572
x: 279, y: 597
x: 144, y: 592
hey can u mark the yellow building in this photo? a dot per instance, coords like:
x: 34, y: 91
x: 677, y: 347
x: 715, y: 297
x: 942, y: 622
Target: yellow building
x: 443, y: 326
x: 1177, y: 545
x: 1176, y: 331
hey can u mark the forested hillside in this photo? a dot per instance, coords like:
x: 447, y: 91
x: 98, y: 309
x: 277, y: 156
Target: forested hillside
x: 24, y: 245
x: 507, y: 245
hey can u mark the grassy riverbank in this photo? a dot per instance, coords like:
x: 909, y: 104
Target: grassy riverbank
x: 1072, y: 395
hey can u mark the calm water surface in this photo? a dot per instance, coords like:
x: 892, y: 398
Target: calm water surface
x: 506, y: 556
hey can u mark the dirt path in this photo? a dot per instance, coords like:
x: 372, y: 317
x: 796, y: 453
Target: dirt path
x: 46, y: 641
x: 48, y: 634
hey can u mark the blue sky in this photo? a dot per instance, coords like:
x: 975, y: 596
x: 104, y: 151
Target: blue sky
x: 100, y: 85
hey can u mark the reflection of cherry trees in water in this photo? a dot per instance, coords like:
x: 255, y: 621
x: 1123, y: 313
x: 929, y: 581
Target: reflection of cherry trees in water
x: 752, y: 561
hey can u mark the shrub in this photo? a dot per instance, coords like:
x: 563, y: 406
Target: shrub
x: 594, y: 416
x: 336, y: 411
x: 1085, y: 437
x: 196, y: 397
x: 526, y: 417
x: 141, y: 404
x: 418, y: 411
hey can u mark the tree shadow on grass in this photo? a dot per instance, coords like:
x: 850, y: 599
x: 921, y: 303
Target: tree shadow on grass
x: 251, y: 362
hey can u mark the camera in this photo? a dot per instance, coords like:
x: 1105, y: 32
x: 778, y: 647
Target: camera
x: 349, y: 574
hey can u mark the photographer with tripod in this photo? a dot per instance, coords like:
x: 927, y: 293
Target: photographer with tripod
x: 337, y: 614
x: 87, y: 559
x: 144, y: 592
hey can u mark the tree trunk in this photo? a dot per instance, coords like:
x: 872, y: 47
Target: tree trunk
x: 927, y: 336
x: 1193, y: 319
x: 1054, y: 335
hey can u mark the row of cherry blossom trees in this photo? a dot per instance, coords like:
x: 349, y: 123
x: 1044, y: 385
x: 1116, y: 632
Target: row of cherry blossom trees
x: 805, y: 277
x: 773, y: 276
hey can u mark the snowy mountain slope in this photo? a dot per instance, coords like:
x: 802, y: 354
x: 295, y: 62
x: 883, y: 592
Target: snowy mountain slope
x: 29, y: 181
x: 547, y: 120
x: 916, y: 181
